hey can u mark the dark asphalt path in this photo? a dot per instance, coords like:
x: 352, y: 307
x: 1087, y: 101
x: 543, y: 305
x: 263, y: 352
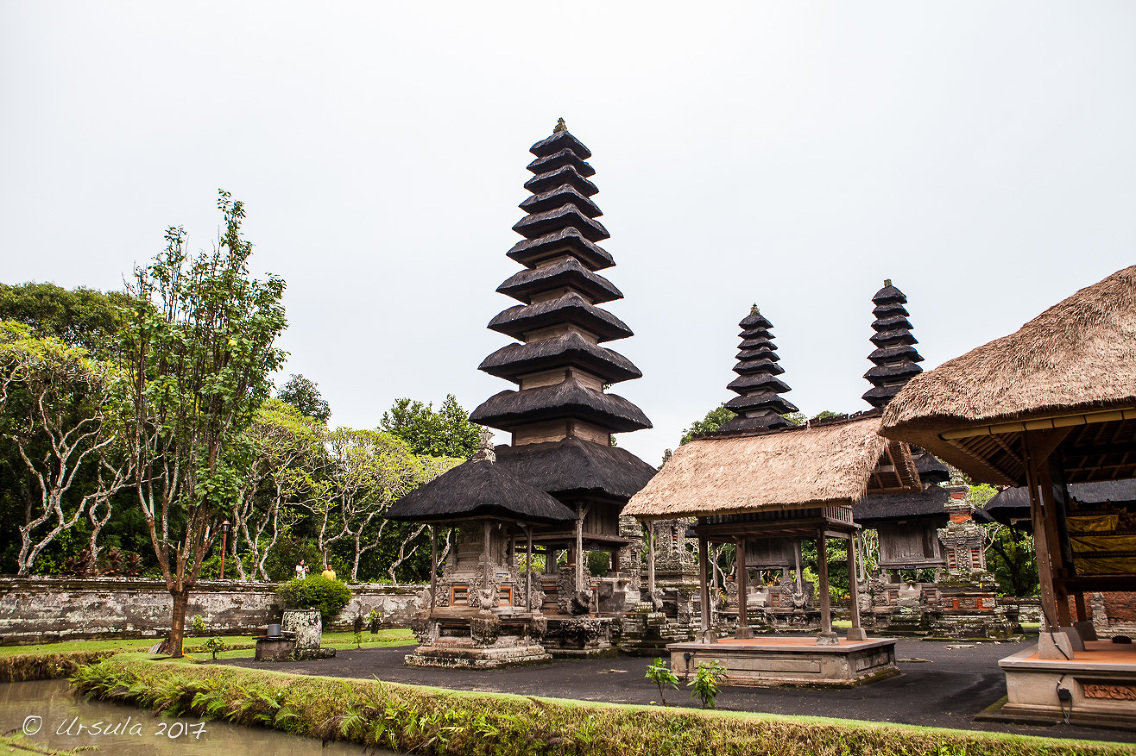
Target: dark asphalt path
x: 941, y: 685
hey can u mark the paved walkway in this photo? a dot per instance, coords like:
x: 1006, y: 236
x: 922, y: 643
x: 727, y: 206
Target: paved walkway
x: 941, y: 685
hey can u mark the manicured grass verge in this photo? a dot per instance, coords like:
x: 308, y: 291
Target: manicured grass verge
x: 19, y: 744
x: 47, y: 666
x: 428, y: 720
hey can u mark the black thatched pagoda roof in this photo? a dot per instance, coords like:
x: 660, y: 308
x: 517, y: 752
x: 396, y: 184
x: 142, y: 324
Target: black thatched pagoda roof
x: 1013, y: 503
x: 879, y: 508
x: 567, y: 241
x: 567, y: 399
x: 759, y: 404
x: 894, y: 359
x: 931, y: 470
x: 478, y: 489
x: 565, y: 273
x: 569, y: 308
x: 570, y: 350
x: 577, y: 467
x: 559, y: 321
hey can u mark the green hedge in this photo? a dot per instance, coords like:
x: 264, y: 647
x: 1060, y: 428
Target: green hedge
x: 24, y: 667
x: 425, y: 720
x: 316, y: 592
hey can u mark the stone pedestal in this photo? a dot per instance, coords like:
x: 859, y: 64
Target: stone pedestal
x: 1101, y: 685
x: 767, y: 662
x: 477, y: 640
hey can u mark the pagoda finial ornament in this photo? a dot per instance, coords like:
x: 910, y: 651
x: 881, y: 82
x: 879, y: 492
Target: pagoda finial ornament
x: 561, y: 370
x: 485, y: 451
x: 759, y: 403
x: 895, y: 356
x: 560, y: 126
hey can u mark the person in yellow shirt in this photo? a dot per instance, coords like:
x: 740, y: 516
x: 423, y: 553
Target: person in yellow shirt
x: 328, y: 572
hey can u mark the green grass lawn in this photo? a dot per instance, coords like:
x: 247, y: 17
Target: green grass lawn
x: 391, y: 637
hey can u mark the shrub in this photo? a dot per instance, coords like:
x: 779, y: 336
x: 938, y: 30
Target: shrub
x: 316, y: 592
x: 660, y: 674
x: 705, y: 683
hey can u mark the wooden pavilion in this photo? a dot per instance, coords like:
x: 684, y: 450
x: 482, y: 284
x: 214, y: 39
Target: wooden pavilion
x: 1051, y: 405
x: 789, y: 483
x: 482, y: 612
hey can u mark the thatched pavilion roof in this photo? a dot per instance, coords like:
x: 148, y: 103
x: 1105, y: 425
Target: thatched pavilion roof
x: 826, y: 464
x: 478, y: 489
x: 878, y: 508
x: 1071, y: 365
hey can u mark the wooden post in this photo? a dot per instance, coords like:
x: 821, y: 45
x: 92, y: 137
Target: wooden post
x: 433, y: 566
x: 856, y: 632
x: 797, y: 558
x: 528, y: 573
x: 825, y: 599
x: 579, y: 548
x: 1040, y: 539
x: 704, y: 587
x: 1082, y: 611
x: 744, y: 630
x: 651, y: 561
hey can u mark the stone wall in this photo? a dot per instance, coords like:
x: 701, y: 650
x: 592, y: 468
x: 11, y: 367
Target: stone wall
x: 43, y: 609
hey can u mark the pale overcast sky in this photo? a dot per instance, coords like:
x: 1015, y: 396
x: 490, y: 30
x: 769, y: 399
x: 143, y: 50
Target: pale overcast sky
x: 981, y: 154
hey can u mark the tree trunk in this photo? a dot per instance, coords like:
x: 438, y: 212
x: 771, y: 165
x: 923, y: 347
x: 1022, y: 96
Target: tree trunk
x: 177, y: 625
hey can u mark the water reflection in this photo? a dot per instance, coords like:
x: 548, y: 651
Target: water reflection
x: 65, y: 722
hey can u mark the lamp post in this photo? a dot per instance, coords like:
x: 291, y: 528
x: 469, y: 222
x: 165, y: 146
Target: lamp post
x: 224, y: 539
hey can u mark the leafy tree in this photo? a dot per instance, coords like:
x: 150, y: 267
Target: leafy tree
x: 197, y: 350
x: 77, y: 317
x: 1010, y: 555
x: 713, y: 421
x: 444, y: 433
x: 55, y: 411
x: 304, y: 395
x: 276, y: 449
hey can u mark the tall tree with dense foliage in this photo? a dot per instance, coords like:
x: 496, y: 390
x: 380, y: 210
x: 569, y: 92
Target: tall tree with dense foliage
x: 56, y: 413
x: 78, y: 317
x: 303, y: 394
x: 714, y: 420
x: 197, y: 352
x: 446, y: 432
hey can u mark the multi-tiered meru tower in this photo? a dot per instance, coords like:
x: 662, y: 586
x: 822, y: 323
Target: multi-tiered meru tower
x: 759, y: 403
x: 895, y: 356
x: 561, y: 417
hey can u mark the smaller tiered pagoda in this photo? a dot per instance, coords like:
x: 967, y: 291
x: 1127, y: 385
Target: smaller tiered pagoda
x: 895, y: 357
x: 759, y: 403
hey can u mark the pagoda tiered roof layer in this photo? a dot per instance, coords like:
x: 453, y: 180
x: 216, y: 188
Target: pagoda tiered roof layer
x: 759, y: 403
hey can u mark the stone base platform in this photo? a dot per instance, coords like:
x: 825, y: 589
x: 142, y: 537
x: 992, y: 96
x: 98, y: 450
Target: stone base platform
x: 569, y: 637
x: 1101, y: 681
x: 771, y: 661
x: 467, y: 655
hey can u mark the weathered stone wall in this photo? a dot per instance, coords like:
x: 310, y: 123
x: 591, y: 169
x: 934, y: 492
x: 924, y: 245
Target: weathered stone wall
x: 42, y: 609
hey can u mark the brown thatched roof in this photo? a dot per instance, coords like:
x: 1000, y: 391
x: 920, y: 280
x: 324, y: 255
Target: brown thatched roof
x: 569, y: 398
x: 560, y: 140
x: 825, y: 464
x: 560, y: 159
x: 570, y: 350
x: 563, y: 194
x: 576, y: 467
x: 1077, y: 357
x: 478, y: 489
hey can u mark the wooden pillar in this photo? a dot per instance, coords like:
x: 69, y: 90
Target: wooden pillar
x: 797, y: 558
x: 744, y: 630
x: 651, y: 560
x: 856, y: 632
x: 1050, y: 508
x: 1082, y: 611
x: 528, y: 572
x: 822, y: 574
x: 433, y: 566
x: 579, y: 548
x: 1040, y: 539
x: 704, y: 587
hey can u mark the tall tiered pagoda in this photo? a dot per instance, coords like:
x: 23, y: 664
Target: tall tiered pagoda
x: 895, y: 357
x: 561, y: 417
x: 759, y: 403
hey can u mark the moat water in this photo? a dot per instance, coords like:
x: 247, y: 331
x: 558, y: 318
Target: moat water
x: 48, y: 712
